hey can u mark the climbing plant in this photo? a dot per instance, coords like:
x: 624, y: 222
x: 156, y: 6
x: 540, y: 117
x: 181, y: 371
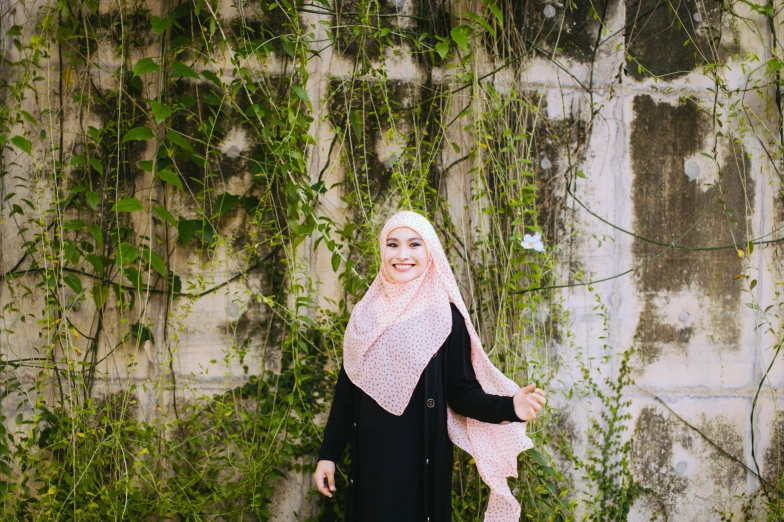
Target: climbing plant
x: 162, y: 162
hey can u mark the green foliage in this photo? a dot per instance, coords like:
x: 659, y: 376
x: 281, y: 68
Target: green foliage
x: 130, y: 206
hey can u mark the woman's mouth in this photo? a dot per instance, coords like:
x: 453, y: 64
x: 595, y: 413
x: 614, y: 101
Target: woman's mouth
x: 403, y: 267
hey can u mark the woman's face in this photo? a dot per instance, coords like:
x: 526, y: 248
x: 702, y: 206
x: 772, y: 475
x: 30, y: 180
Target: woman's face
x: 405, y: 256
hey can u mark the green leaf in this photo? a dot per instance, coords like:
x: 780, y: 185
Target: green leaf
x: 77, y: 159
x: 179, y: 69
x: 225, y: 202
x: 165, y: 215
x: 92, y: 199
x: 23, y: 144
x: 335, y: 261
x: 97, y: 165
x: 460, y: 36
x: 145, y: 66
x: 187, y: 228
x: 135, y: 278
x: 170, y: 177
x: 96, y: 262
x: 766, y: 10
x: 481, y: 21
x: 176, y: 282
x: 138, y: 134
x: 211, y: 76
x: 300, y: 92
x: 94, y: 133
x: 356, y: 118
x: 100, y: 295
x: 442, y: 48
x: 126, y: 254
x: 161, y: 111
x: 74, y: 224
x: 155, y: 261
x: 159, y: 25
x: 141, y: 333
x: 26, y: 115
x: 497, y: 12
x: 127, y: 205
x: 97, y: 234
x: 288, y: 45
x: 74, y: 282
x: 774, y: 65
x: 179, y: 139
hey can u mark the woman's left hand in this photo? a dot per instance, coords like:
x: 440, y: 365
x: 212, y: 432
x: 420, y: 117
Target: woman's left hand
x: 528, y: 402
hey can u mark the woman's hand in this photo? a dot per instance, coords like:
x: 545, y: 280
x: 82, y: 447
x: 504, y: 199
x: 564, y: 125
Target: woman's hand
x: 528, y: 402
x: 324, y: 477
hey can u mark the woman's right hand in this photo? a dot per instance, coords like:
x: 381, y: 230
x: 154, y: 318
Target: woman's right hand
x: 528, y: 402
x: 324, y: 477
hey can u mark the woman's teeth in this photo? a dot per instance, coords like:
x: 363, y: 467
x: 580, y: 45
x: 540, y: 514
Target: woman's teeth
x: 403, y: 267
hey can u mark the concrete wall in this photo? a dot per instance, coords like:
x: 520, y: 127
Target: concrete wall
x: 652, y: 152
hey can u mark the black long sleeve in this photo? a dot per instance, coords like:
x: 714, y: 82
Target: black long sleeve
x: 341, y: 419
x: 465, y: 395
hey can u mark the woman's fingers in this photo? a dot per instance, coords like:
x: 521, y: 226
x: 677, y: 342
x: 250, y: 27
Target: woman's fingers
x: 331, y: 480
x: 324, y: 477
x: 530, y: 401
x: 318, y: 479
x: 537, y: 399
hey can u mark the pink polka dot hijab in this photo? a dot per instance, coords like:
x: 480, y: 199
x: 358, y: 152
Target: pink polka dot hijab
x: 391, y: 336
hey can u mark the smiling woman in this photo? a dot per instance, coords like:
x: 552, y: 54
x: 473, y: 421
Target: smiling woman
x: 415, y: 381
x: 406, y: 255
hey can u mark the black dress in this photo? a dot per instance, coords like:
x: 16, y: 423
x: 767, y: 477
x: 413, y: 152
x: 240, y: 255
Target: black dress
x: 402, y: 465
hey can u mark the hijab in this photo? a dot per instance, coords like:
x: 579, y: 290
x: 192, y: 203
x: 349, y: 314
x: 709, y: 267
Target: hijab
x: 393, y: 332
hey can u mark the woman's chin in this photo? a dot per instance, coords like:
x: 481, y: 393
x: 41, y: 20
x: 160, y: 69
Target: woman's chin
x: 404, y: 277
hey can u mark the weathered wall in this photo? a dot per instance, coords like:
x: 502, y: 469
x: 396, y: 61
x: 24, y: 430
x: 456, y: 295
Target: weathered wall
x: 658, y: 163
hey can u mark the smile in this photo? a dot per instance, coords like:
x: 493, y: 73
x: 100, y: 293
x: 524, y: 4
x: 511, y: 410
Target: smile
x: 403, y: 267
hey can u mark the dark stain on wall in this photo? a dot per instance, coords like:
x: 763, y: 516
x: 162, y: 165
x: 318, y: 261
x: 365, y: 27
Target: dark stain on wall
x: 130, y: 28
x: 207, y: 118
x: 357, y: 37
x: 656, y: 31
x: 653, y: 333
x: 540, y: 27
x: 208, y: 121
x: 200, y: 101
x: 269, y: 31
x: 257, y: 329
x: 667, y: 203
x: 656, y: 465
x: 652, y: 455
x: 565, y: 437
x: 434, y: 18
x: 724, y: 473
x: 548, y: 151
x: 109, y: 109
x: 773, y: 461
x: 555, y: 139
x: 362, y: 112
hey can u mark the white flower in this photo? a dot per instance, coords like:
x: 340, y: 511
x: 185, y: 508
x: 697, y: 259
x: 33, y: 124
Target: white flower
x: 533, y: 242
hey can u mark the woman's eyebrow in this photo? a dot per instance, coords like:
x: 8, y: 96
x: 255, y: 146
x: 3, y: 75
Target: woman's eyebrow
x: 410, y: 239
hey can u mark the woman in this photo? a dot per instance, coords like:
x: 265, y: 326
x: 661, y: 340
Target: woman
x: 415, y: 380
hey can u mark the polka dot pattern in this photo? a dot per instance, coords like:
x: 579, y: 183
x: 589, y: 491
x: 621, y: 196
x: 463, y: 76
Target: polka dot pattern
x: 392, y: 334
